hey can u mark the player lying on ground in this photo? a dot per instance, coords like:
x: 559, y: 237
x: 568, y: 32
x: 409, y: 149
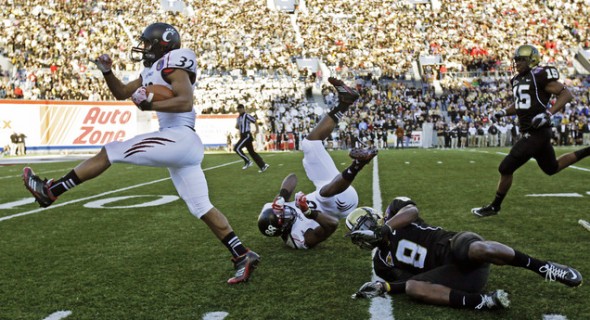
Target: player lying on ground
x: 334, y: 196
x: 437, y: 266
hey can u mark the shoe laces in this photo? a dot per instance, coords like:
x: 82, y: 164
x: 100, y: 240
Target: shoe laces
x: 240, y: 272
x: 487, y: 300
x: 553, y: 272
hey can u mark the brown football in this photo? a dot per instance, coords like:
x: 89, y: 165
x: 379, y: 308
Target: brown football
x: 159, y: 92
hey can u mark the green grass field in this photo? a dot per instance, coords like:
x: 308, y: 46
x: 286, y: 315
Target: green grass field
x: 160, y: 262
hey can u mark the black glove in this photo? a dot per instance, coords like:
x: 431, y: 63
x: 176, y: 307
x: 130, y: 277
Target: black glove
x: 499, y: 114
x: 371, y: 289
x: 541, y: 120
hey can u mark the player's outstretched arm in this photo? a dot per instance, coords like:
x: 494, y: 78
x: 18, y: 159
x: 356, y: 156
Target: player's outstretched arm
x: 120, y: 90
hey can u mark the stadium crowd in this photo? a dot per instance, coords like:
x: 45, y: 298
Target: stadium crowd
x: 49, y: 43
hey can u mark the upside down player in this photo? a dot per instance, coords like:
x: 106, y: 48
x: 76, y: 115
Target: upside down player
x: 175, y: 146
x: 437, y: 266
x: 533, y: 88
x: 296, y: 223
x: 334, y: 194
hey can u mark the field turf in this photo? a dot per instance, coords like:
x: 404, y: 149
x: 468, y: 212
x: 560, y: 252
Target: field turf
x: 160, y: 262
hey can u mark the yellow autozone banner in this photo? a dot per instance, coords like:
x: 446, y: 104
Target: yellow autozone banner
x: 67, y: 124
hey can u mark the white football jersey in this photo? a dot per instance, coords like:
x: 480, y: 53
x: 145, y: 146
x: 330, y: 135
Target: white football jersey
x: 296, y: 238
x: 176, y: 59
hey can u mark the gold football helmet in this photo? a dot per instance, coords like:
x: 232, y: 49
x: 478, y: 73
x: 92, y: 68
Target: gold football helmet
x: 364, y: 219
x: 529, y: 53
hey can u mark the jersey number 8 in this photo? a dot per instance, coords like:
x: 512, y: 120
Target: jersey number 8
x: 411, y: 253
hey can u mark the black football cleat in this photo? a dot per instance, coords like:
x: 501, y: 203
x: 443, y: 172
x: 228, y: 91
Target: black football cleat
x: 244, y: 265
x: 485, y: 211
x: 38, y: 188
x: 346, y: 94
x: 561, y: 273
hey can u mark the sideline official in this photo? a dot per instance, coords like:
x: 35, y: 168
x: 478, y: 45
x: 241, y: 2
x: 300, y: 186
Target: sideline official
x: 243, y: 124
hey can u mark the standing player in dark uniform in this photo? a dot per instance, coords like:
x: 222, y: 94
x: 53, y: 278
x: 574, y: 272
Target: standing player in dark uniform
x: 243, y: 124
x: 437, y: 266
x: 533, y: 88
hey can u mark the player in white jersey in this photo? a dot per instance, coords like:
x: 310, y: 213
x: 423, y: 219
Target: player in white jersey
x: 334, y: 194
x: 175, y: 146
x: 297, y: 224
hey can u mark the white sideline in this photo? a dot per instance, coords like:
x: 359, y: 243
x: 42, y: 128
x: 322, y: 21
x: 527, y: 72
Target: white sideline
x: 381, y: 308
x: 103, y: 194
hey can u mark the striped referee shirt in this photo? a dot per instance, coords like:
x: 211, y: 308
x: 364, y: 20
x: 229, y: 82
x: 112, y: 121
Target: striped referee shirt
x: 244, y: 121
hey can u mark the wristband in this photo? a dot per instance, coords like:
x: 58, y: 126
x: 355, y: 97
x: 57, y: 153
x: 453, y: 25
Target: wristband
x: 386, y: 286
x: 145, y: 105
x: 311, y: 214
x: 107, y: 73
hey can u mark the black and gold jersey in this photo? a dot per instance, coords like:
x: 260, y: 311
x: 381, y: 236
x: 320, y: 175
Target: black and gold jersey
x: 417, y: 247
x: 530, y: 97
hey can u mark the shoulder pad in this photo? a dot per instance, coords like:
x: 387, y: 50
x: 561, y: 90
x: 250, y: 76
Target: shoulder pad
x: 397, y: 204
x: 179, y: 59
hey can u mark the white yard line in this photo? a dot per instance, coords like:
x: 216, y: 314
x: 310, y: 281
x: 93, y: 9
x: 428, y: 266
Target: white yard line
x: 566, y: 195
x: 554, y: 317
x: 58, y: 315
x: 381, y: 308
x: 217, y: 315
x: 102, y: 194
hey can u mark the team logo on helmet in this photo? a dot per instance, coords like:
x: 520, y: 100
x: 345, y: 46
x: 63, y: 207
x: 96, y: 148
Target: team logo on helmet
x: 273, y: 224
x: 271, y: 230
x: 364, y: 218
x: 527, y: 53
x: 155, y: 41
x: 168, y: 35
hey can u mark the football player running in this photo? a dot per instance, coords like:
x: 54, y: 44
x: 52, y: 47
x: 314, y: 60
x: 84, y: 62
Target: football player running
x: 334, y: 194
x: 437, y: 266
x: 175, y: 146
x: 532, y: 88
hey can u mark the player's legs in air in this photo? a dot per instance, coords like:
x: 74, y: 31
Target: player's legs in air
x: 319, y: 166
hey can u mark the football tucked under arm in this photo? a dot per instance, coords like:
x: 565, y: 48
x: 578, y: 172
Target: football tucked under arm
x: 157, y: 92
